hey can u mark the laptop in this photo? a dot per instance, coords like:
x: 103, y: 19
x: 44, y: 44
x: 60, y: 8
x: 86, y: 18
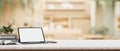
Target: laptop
x: 32, y: 35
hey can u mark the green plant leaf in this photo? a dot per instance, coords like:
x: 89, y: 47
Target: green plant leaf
x: 7, y: 29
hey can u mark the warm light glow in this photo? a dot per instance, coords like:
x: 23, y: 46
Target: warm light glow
x: 59, y: 26
x: 67, y: 6
x: 51, y: 6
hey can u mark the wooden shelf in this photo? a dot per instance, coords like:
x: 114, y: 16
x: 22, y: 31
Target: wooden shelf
x: 65, y: 2
x: 66, y: 10
x: 77, y: 17
x: 81, y: 18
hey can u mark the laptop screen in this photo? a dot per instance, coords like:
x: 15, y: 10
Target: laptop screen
x: 31, y: 34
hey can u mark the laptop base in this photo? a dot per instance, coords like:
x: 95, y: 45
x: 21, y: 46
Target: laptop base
x: 51, y: 42
x: 38, y: 42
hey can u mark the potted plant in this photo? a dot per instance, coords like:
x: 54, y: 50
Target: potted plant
x: 6, y: 34
x: 6, y: 30
x: 100, y: 30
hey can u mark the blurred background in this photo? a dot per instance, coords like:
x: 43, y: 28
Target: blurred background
x: 64, y: 19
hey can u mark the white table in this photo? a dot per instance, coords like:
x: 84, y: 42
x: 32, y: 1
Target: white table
x: 69, y: 44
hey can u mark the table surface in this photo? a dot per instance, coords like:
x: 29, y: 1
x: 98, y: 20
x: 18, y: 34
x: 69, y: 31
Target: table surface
x: 69, y: 44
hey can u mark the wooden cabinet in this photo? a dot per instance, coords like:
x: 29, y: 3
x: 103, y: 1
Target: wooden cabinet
x: 68, y: 22
x: 81, y: 23
x: 70, y: 14
x: 56, y: 22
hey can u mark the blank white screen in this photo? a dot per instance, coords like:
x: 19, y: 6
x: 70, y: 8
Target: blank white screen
x: 31, y: 34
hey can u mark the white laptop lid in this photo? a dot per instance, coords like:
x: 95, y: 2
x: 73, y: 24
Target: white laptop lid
x: 33, y: 34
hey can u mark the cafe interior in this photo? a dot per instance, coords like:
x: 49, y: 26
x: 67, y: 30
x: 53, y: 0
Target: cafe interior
x: 63, y: 19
